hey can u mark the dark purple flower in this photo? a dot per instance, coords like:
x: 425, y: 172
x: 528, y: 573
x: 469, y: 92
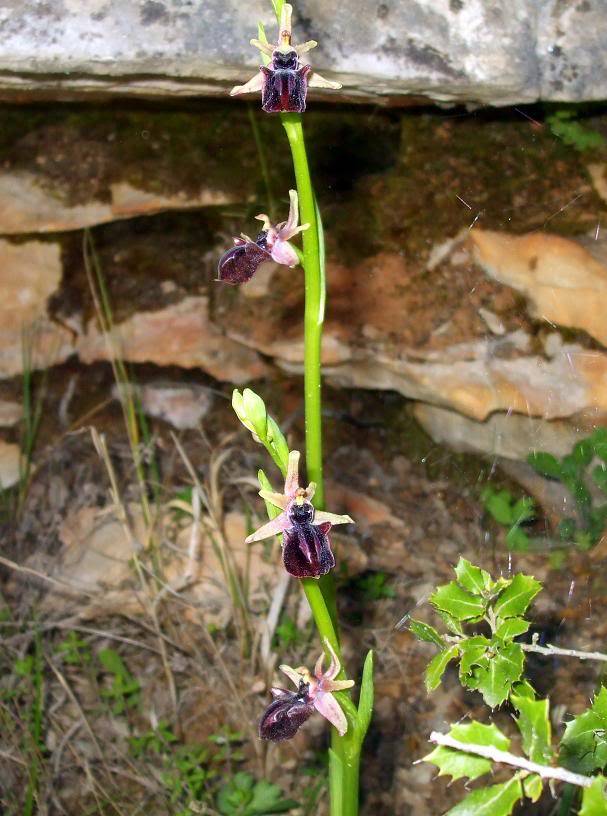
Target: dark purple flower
x: 284, y: 81
x: 238, y: 265
x: 286, y: 713
x: 289, y: 710
x: 306, y: 547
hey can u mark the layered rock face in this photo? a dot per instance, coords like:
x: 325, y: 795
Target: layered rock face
x: 499, y: 53
x: 448, y: 280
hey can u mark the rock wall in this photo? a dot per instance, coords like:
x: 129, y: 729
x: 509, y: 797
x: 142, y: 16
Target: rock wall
x: 499, y: 53
x: 466, y: 262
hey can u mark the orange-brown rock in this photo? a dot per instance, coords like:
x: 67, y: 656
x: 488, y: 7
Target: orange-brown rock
x: 28, y: 204
x: 29, y: 273
x: 564, y: 281
x: 180, y: 334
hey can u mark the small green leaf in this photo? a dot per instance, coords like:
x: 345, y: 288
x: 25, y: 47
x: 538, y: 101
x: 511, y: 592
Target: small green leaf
x: 524, y: 689
x: 579, y: 491
x: 534, y: 724
x: 437, y: 666
x: 533, y: 787
x: 452, y: 624
x: 267, y: 798
x: 517, y: 540
x: 365, y: 700
x: 582, y: 452
x: 472, y: 578
x: 594, y: 798
x: 511, y: 627
x: 458, y: 764
x: 495, y: 676
x: 598, y: 440
x: 112, y: 662
x: 523, y: 510
x: 499, y: 506
x: 496, y: 800
x: 423, y: 631
x: 515, y: 599
x: 545, y: 464
x: 472, y: 650
x: 457, y: 602
x: 584, y: 743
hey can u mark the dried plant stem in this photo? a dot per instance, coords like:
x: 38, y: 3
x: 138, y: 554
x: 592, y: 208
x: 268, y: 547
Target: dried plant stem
x: 552, y: 651
x: 549, y: 650
x: 506, y: 758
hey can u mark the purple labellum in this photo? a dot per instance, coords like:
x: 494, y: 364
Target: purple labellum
x: 239, y: 264
x: 285, y: 715
x: 285, y: 84
x: 306, y: 549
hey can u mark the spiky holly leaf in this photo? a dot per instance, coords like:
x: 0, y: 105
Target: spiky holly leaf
x: 494, y: 676
x: 425, y: 632
x: 472, y: 578
x: 515, y: 599
x: 437, y: 666
x: 584, y: 743
x: 594, y: 798
x: 511, y: 627
x: 533, y: 787
x: 496, y: 800
x: 452, y: 624
x: 472, y: 650
x: 458, y: 764
x: 524, y: 689
x: 534, y: 724
x: 457, y: 602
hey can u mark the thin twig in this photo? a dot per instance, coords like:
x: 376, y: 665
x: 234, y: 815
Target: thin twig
x: 11, y: 758
x: 506, y: 758
x: 550, y: 650
x: 556, y: 650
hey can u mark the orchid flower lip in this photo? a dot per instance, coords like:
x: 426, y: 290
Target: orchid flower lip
x: 284, y: 81
x: 306, y: 546
x: 239, y: 264
x: 320, y: 687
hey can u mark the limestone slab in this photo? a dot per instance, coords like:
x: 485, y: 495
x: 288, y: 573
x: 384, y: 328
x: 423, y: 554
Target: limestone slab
x: 447, y: 50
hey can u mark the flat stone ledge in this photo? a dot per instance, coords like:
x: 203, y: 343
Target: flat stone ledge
x: 471, y: 51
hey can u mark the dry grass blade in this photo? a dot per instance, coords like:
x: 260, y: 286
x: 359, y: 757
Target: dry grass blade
x: 214, y: 534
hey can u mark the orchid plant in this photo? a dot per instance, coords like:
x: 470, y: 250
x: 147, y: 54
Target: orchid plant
x: 492, y: 665
x: 297, y: 514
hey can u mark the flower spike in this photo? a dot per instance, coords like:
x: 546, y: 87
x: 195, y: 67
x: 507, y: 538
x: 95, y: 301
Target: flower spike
x: 306, y: 546
x: 239, y: 264
x: 285, y: 80
x: 288, y: 712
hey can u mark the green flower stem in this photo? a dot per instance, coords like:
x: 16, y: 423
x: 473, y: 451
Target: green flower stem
x: 315, y: 297
x: 344, y: 757
x: 313, y: 264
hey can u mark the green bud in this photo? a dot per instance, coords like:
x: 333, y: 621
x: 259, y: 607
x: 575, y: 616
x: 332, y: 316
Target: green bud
x: 239, y: 409
x: 255, y: 412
